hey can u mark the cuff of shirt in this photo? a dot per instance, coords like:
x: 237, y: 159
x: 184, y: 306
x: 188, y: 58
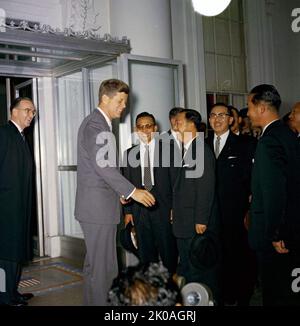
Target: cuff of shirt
x: 131, y: 194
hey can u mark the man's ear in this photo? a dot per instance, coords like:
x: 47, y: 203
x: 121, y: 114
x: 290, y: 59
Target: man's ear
x: 104, y: 99
x: 240, y: 120
x: 231, y: 119
x: 155, y: 128
x: 263, y: 107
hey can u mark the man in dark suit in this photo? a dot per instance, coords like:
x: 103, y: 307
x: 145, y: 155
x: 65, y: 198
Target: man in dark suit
x: 15, y: 199
x: 294, y: 119
x: 233, y: 172
x: 153, y: 225
x: 274, y: 214
x: 100, y: 187
x: 172, y: 133
x: 193, y: 196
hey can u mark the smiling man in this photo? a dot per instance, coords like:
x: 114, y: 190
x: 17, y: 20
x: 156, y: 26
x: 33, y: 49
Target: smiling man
x: 233, y: 173
x: 100, y: 187
x: 153, y: 225
x: 15, y: 199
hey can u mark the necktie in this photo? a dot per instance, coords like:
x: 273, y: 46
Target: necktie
x: 183, y: 150
x: 217, y: 146
x: 23, y: 136
x: 147, y: 170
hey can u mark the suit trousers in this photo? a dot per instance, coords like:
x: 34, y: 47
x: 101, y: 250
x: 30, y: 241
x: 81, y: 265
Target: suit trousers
x: 276, y: 277
x: 209, y: 277
x: 12, y: 277
x: 156, y: 240
x: 100, y: 265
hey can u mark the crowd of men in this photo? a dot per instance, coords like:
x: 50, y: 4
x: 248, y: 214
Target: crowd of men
x: 224, y: 211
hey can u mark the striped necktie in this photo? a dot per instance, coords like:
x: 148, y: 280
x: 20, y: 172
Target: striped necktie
x: 217, y: 146
x: 147, y: 170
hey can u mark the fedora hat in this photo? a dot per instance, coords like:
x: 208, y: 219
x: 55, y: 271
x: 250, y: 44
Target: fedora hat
x: 204, y: 250
x: 128, y: 239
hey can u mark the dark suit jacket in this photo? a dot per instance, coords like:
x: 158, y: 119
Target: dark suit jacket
x: 15, y: 195
x: 275, y: 207
x: 193, y: 197
x: 162, y: 190
x: 99, y: 187
x: 233, y: 174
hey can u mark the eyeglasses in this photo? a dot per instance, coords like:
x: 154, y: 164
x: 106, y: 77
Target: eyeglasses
x: 27, y: 110
x: 147, y: 126
x: 220, y: 116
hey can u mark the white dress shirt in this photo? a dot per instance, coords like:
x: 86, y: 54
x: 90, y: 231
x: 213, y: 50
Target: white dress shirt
x: 106, y: 118
x: 222, y: 140
x: 175, y: 135
x: 19, y: 128
x: 151, y: 157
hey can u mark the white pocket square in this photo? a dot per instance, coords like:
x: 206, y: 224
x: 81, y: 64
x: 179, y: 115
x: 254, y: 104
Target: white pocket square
x: 185, y: 165
x: 231, y: 157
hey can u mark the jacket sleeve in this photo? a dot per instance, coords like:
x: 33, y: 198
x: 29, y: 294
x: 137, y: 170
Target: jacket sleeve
x: 127, y: 209
x: 273, y: 176
x: 205, y: 189
x: 102, y: 150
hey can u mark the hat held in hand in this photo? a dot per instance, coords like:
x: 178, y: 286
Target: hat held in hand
x: 204, y: 250
x: 128, y: 239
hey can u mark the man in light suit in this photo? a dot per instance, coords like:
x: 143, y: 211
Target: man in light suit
x: 100, y: 188
x: 153, y: 225
x: 274, y: 213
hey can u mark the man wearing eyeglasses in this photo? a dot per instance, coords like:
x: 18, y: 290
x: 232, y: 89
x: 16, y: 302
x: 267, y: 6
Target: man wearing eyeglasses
x: 233, y: 170
x: 153, y: 225
x: 15, y: 199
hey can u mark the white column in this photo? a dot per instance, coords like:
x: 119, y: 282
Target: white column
x: 259, y: 43
x: 147, y: 23
x: 188, y: 46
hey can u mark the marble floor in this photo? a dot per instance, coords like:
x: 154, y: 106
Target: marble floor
x: 58, y: 282
x: 54, y: 282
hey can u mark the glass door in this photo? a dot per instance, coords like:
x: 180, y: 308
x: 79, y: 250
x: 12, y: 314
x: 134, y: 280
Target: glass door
x: 77, y: 96
x: 156, y: 87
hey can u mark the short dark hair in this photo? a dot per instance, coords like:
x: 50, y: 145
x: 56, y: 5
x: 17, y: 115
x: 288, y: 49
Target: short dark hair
x: 110, y: 87
x: 173, y: 112
x: 268, y: 94
x: 145, y: 115
x: 16, y: 102
x: 222, y: 104
x: 144, y: 285
x: 193, y: 116
x: 232, y: 108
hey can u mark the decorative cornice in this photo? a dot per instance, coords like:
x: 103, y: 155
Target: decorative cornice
x: 67, y: 32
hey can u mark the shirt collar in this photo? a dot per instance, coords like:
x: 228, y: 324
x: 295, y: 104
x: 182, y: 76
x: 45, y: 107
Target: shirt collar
x: 19, y: 128
x: 106, y: 118
x: 151, y: 144
x: 223, y: 136
x: 187, y: 145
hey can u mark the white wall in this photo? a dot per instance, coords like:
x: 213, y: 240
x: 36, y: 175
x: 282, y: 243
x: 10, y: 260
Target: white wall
x: 147, y: 23
x: 286, y: 53
x: 273, y: 49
